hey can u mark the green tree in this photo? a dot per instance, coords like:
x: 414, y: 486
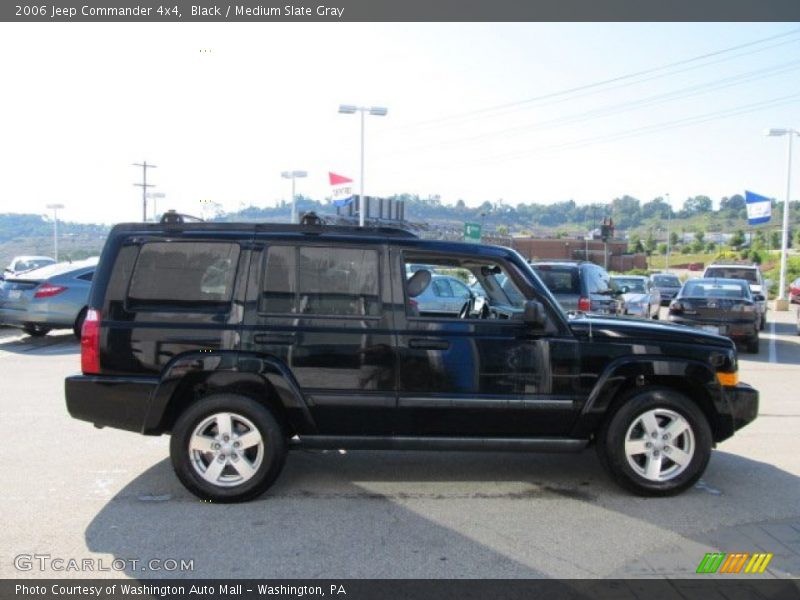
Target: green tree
x: 662, y: 249
x: 775, y: 240
x: 502, y: 231
x: 650, y: 243
x: 673, y: 239
x: 710, y: 247
x: 755, y: 256
x: 737, y: 241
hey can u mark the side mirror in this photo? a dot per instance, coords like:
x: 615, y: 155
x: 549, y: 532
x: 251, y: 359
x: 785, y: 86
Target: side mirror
x: 759, y: 297
x: 533, y: 313
x: 624, y: 289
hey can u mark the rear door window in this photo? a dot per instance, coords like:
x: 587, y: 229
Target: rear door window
x: 316, y: 280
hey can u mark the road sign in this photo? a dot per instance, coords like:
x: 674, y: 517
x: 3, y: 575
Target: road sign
x: 472, y: 231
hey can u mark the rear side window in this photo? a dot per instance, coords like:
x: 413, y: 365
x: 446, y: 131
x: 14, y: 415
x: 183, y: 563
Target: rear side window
x: 184, y: 273
x: 316, y: 280
x: 750, y: 275
x: 559, y: 280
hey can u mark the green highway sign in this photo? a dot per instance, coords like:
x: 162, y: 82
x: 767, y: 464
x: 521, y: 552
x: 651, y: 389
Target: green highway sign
x: 472, y: 231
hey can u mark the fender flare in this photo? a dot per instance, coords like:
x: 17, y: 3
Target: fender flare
x: 221, y: 370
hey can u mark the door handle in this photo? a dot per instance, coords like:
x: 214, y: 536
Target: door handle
x: 274, y: 339
x: 429, y: 344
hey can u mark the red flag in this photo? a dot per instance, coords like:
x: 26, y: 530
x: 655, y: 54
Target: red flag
x: 338, y: 179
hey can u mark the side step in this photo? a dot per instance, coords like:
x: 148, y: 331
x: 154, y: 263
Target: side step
x: 333, y: 442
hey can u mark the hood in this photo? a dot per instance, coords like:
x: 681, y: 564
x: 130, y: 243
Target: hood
x: 637, y: 330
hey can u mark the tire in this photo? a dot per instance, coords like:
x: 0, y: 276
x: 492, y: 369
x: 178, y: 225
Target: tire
x: 199, y: 425
x: 76, y: 329
x: 763, y: 325
x: 752, y: 345
x: 35, y: 330
x: 663, y: 408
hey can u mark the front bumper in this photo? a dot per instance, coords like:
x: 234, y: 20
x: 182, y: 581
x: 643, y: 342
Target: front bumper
x: 119, y: 402
x: 743, y: 403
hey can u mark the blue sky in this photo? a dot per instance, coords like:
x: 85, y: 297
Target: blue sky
x: 87, y: 100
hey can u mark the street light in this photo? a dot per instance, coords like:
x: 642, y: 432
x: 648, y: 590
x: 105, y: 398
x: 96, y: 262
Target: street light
x: 378, y: 111
x: 780, y: 303
x: 55, y: 208
x: 669, y: 221
x: 293, y: 175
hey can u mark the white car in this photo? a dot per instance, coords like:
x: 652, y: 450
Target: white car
x: 21, y: 264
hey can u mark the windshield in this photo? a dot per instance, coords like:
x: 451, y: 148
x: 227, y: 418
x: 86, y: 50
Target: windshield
x: 713, y: 289
x: 733, y: 273
x: 633, y: 284
x: 667, y: 281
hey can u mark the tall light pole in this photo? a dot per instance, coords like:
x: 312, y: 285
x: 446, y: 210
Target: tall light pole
x: 669, y: 221
x: 293, y: 175
x: 55, y: 208
x: 780, y: 302
x: 378, y: 111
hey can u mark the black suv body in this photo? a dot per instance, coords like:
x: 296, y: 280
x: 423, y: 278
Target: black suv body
x: 243, y: 341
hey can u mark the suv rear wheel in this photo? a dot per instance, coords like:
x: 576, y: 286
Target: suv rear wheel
x: 35, y: 330
x: 657, y: 443
x: 227, y: 448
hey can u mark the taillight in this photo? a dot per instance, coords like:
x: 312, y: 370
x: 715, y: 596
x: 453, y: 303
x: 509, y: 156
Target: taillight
x: 585, y: 304
x: 90, y: 343
x: 47, y: 290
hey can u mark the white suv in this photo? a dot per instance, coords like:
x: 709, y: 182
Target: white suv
x: 751, y: 274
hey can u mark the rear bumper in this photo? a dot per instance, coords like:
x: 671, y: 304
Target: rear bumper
x: 743, y: 402
x: 55, y: 317
x: 119, y: 402
x: 731, y: 329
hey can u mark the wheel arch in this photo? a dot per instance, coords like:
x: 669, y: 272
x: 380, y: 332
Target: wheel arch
x: 624, y: 378
x: 198, y: 374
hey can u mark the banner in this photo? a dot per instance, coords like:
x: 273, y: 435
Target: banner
x: 342, y: 189
x: 759, y: 208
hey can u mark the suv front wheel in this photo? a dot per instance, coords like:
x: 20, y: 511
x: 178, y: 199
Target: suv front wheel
x: 657, y: 443
x: 227, y: 448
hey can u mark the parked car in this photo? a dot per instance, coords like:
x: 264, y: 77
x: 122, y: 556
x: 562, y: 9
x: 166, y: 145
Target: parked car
x: 444, y: 295
x: 723, y: 306
x: 750, y: 273
x: 640, y: 298
x: 668, y: 286
x: 47, y: 298
x: 794, y: 291
x: 580, y: 286
x: 244, y: 341
x: 21, y: 264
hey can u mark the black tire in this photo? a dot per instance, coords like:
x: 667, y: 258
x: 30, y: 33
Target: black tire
x: 188, y: 465
x: 752, y: 345
x: 763, y: 325
x: 35, y: 330
x: 611, y: 442
x: 76, y: 328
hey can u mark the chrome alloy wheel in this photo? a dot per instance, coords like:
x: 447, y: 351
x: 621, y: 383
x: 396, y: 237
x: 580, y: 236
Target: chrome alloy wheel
x: 659, y: 444
x: 226, y: 449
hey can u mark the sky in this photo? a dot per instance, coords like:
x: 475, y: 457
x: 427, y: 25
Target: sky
x: 477, y: 112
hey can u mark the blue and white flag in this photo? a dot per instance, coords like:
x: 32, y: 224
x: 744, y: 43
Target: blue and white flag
x: 759, y: 208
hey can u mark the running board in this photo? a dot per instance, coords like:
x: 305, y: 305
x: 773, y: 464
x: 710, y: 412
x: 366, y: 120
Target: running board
x: 334, y: 442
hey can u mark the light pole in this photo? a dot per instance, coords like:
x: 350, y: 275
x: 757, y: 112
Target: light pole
x: 55, y: 208
x: 293, y: 175
x: 378, y: 111
x: 669, y: 221
x: 780, y: 302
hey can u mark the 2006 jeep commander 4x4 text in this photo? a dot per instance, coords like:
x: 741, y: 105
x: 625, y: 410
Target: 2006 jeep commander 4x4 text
x: 246, y: 340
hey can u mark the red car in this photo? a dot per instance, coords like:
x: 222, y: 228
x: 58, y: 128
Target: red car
x: 794, y: 291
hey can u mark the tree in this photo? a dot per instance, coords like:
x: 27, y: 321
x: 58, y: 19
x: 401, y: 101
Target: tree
x: 733, y: 205
x: 775, y: 239
x: 662, y: 249
x: 710, y: 247
x: 673, y: 239
x: 650, y: 243
x: 626, y: 212
x: 657, y: 207
x: 697, y: 205
x: 737, y: 241
x: 502, y: 231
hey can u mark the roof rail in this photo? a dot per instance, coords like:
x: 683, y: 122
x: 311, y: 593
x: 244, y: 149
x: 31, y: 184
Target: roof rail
x: 175, y: 218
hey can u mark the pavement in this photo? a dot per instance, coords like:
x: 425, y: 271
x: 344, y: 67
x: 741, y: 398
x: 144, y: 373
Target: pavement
x: 72, y: 491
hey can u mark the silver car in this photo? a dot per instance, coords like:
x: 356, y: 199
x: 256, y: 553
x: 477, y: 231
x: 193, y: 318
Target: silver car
x: 47, y: 298
x: 21, y: 264
x: 444, y: 295
x: 641, y: 297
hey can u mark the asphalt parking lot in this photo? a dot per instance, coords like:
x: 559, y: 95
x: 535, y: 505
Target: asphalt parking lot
x: 71, y: 491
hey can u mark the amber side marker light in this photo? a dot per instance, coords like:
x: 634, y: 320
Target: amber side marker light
x: 729, y: 379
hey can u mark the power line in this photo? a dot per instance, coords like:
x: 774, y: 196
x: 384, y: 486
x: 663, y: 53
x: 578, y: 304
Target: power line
x: 440, y: 121
x: 613, y: 109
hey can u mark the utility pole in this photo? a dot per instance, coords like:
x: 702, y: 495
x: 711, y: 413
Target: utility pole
x: 54, y: 208
x: 144, y: 185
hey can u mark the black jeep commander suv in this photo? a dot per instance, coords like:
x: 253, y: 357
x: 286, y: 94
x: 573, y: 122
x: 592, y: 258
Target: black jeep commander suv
x: 244, y: 341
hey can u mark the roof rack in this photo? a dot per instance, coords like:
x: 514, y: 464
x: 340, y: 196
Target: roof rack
x: 171, y: 217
